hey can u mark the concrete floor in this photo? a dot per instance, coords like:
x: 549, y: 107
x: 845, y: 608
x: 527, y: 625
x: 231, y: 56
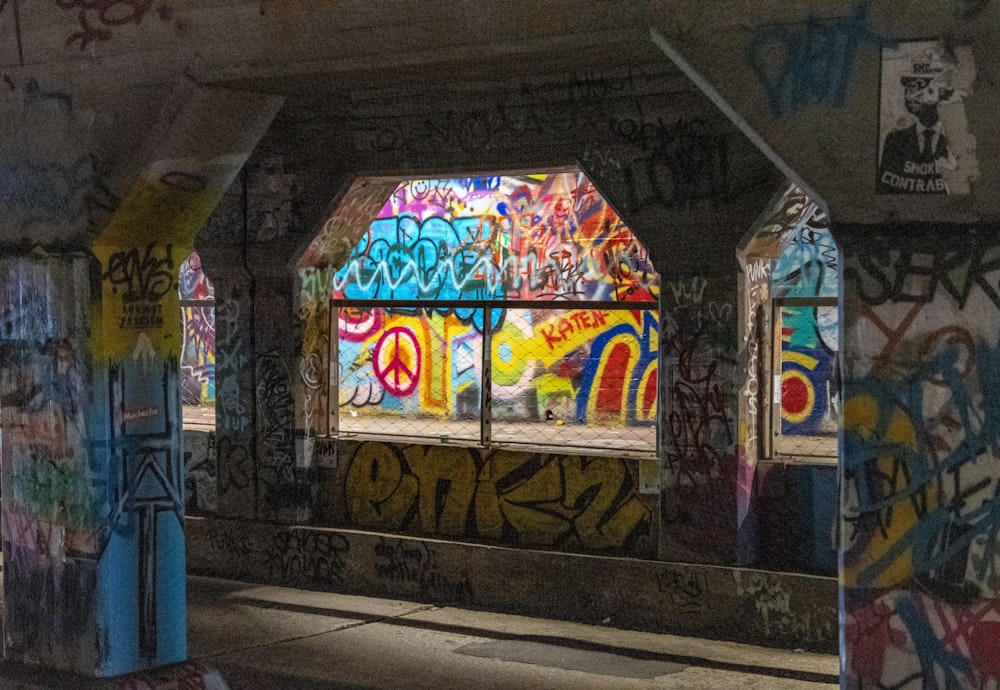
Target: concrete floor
x: 273, y: 638
x: 198, y: 418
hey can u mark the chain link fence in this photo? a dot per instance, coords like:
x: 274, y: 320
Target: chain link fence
x: 807, y: 405
x: 535, y: 374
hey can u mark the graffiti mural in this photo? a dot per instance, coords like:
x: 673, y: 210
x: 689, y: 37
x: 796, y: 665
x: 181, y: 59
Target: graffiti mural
x: 808, y: 268
x: 808, y: 365
x: 583, y: 365
x: 198, y: 332
x: 542, y: 238
x: 53, y: 530
x: 535, y: 499
x: 919, y: 508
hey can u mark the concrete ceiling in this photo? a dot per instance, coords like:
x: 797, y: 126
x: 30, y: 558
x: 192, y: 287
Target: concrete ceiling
x: 827, y: 132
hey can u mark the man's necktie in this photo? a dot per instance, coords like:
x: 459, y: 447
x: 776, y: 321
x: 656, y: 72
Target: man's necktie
x: 928, y: 148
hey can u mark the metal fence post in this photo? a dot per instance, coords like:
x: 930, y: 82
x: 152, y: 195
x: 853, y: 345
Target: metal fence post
x: 486, y: 403
x: 333, y: 391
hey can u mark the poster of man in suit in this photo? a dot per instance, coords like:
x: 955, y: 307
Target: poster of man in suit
x: 925, y: 146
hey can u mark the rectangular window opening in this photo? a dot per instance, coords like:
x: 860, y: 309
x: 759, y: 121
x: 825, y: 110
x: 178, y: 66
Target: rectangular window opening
x: 197, y: 357
x: 197, y: 376
x: 571, y: 376
x: 805, y: 405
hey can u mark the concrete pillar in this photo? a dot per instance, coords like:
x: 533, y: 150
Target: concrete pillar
x: 758, y: 255
x: 263, y: 467
x: 234, y: 407
x: 698, y: 362
x: 272, y: 393
x: 919, y: 470
x: 54, y: 506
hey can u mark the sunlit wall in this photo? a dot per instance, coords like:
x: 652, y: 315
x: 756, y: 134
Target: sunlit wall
x: 507, y: 243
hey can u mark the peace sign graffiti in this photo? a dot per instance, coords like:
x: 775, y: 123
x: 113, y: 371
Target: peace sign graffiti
x: 396, y: 361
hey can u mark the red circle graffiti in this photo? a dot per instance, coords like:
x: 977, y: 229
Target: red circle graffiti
x: 396, y: 361
x: 794, y: 395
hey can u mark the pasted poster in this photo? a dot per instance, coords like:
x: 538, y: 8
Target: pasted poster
x: 924, y: 139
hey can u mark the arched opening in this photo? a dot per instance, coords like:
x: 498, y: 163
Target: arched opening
x: 790, y: 404
x: 197, y: 381
x: 499, y: 311
x: 197, y: 361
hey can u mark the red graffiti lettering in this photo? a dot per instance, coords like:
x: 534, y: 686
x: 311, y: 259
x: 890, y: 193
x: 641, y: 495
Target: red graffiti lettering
x: 551, y: 337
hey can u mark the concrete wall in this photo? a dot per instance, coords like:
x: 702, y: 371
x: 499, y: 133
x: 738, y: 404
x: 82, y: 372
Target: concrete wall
x: 724, y: 603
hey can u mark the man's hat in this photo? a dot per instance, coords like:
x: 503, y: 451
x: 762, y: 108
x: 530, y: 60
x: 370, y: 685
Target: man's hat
x: 929, y: 66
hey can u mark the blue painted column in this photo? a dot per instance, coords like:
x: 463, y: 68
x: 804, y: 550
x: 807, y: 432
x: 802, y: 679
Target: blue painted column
x: 137, y: 415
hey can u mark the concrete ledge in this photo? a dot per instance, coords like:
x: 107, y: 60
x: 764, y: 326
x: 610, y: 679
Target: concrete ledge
x: 737, y: 604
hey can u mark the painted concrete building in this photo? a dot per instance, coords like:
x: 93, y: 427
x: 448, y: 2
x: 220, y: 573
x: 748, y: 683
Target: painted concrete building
x: 668, y: 315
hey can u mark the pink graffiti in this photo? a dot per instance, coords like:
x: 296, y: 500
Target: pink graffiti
x: 870, y: 634
x: 396, y: 361
x: 97, y: 17
x: 565, y: 326
x: 357, y: 323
